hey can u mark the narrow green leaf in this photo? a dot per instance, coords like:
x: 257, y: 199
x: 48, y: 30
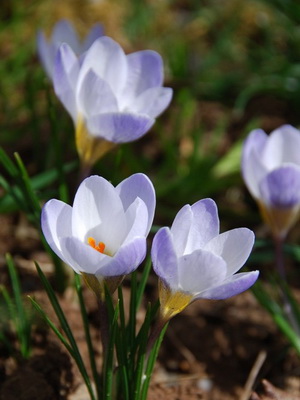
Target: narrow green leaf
x: 66, y: 328
x: 151, y: 362
x: 22, y: 322
x: 52, y: 326
x: 125, y: 373
x: 142, y: 283
x: 32, y: 198
x: 85, y: 321
x: 8, y: 164
x: 132, y: 311
x: 139, y: 370
x: 108, y: 373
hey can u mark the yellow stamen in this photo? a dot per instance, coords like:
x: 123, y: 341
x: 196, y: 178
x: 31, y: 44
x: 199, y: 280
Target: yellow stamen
x: 100, y: 247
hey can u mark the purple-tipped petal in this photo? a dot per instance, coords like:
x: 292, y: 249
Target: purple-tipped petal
x: 236, y: 284
x: 233, y: 246
x: 195, y: 225
x: 56, y: 220
x: 82, y: 257
x: 145, y: 71
x: 281, y: 187
x: 107, y: 59
x: 64, y: 32
x: 138, y: 185
x: 66, y: 70
x: 127, y: 259
x: 199, y: 270
x: 95, y: 96
x: 164, y: 258
x: 96, y: 32
x: 253, y: 169
x: 152, y: 102
x: 119, y: 127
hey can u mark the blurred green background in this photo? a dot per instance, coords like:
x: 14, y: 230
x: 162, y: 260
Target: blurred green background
x: 234, y: 65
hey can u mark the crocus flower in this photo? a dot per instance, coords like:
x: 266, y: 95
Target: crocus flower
x: 111, y: 97
x: 63, y: 32
x: 103, y: 236
x: 271, y: 171
x: 193, y: 260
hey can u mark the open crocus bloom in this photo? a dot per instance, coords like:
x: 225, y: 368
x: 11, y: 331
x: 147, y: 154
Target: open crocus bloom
x: 103, y: 236
x: 111, y: 97
x: 271, y: 170
x: 193, y: 261
x: 63, y: 32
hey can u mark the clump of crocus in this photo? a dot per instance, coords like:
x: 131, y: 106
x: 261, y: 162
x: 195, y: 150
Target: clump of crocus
x: 271, y: 171
x: 112, y: 97
x: 193, y: 260
x: 63, y: 32
x: 103, y: 236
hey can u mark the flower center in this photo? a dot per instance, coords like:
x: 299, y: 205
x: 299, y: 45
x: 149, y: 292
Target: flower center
x: 100, y: 247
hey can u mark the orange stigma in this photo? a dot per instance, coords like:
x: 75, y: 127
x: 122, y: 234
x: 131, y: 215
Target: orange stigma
x: 100, y: 247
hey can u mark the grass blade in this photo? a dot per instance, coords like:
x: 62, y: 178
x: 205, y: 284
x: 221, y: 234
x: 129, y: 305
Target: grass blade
x: 66, y: 328
x: 87, y: 334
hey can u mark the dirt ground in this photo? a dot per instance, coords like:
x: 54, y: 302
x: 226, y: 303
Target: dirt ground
x: 214, y: 350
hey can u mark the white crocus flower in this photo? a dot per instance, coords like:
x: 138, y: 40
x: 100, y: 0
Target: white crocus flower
x: 103, y: 236
x: 271, y: 171
x: 193, y: 260
x: 112, y: 97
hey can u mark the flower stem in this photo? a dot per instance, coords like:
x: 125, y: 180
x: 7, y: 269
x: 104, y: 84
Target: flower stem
x: 154, y: 334
x: 84, y: 172
x: 104, y: 326
x: 279, y: 261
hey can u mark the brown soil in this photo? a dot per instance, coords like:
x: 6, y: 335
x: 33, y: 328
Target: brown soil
x: 208, y: 353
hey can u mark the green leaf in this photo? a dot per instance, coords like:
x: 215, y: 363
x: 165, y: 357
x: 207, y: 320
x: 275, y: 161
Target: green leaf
x: 85, y: 321
x: 22, y: 321
x: 108, y: 370
x: 66, y: 328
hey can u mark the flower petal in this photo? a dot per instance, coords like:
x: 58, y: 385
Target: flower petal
x: 145, y: 70
x: 96, y: 32
x: 253, y: 169
x: 95, y: 96
x: 152, y: 102
x: 235, y: 284
x: 200, y: 270
x: 137, y: 220
x: 65, y: 76
x: 233, y: 246
x: 98, y: 212
x: 195, y: 225
x: 138, y: 185
x: 64, y: 32
x: 56, y: 224
x: 119, y: 127
x: 82, y: 257
x: 108, y: 60
x: 46, y: 53
x: 164, y: 258
x: 281, y: 187
x: 282, y: 147
x: 127, y: 259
